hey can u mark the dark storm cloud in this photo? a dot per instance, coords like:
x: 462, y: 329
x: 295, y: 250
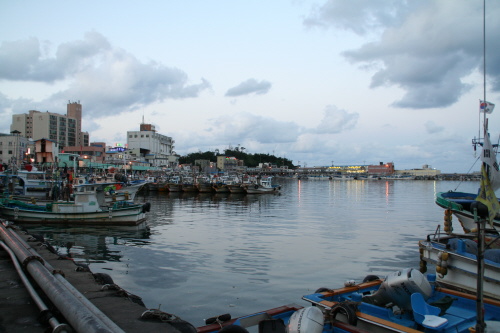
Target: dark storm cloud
x: 427, y: 50
x: 109, y: 80
x: 250, y: 86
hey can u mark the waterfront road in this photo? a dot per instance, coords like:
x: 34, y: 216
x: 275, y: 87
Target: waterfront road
x: 64, y: 297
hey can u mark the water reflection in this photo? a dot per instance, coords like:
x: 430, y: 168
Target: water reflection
x: 91, y: 244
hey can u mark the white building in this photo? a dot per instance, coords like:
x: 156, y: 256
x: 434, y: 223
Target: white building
x: 155, y: 148
x: 13, y: 148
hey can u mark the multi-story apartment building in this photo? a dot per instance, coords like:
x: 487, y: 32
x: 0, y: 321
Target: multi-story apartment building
x: 155, y: 148
x: 63, y: 129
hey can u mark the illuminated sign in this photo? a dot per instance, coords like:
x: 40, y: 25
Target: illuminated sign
x: 119, y: 149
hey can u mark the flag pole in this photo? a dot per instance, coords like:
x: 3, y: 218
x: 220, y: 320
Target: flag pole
x: 480, y: 324
x: 484, y: 61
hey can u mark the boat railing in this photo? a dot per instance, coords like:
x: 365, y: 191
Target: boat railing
x: 437, y: 234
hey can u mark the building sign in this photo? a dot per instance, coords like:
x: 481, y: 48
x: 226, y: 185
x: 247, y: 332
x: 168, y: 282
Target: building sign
x: 118, y: 149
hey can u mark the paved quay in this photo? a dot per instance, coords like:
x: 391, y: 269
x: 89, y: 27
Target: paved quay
x: 71, y: 298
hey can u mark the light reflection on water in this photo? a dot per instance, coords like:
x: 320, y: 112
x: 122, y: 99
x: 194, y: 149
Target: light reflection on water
x: 211, y: 254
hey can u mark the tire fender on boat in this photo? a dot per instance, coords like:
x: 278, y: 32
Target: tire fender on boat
x: 146, y: 207
x: 347, y: 309
x: 370, y: 278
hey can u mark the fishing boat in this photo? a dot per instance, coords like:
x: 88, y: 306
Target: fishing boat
x: 220, y: 184
x: 28, y: 182
x: 405, y: 301
x: 89, y: 207
x: 262, y: 186
x: 459, y: 203
x: 188, y: 184
x: 174, y: 184
x: 122, y: 192
x: 114, y: 191
x: 455, y: 260
x: 204, y: 184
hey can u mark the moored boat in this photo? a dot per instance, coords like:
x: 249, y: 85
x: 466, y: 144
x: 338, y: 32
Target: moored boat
x: 405, y: 301
x: 89, y: 207
x: 174, y: 184
x: 204, y: 184
x: 236, y: 188
x: 262, y: 186
x: 188, y: 184
x: 459, y: 203
x: 454, y: 258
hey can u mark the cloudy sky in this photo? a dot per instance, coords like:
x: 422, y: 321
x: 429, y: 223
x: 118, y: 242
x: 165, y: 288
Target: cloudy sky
x: 317, y: 82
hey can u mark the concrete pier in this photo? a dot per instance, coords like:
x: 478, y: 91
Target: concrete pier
x: 116, y: 310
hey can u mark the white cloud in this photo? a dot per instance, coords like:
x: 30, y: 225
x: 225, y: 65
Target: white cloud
x: 336, y: 121
x: 250, y: 86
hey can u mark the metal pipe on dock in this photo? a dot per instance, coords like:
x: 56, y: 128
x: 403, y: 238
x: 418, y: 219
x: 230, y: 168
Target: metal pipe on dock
x: 98, y: 313
x: 53, y: 322
x: 73, y: 307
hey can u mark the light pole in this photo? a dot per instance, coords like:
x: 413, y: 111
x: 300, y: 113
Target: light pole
x: 16, y: 149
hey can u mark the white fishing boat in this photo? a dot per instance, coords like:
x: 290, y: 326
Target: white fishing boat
x: 89, y: 207
x: 114, y: 191
x: 262, y: 186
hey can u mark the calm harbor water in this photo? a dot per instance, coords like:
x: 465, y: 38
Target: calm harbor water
x: 206, y: 255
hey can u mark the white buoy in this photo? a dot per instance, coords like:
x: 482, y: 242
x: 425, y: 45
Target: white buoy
x: 306, y: 320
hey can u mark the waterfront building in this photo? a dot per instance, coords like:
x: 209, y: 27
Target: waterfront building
x: 95, y: 152
x: 381, y: 169
x: 46, y: 151
x: 154, y: 148
x: 13, y: 148
x: 63, y: 129
x: 425, y: 171
x: 229, y: 163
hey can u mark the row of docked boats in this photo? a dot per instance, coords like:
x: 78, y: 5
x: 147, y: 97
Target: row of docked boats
x: 238, y: 184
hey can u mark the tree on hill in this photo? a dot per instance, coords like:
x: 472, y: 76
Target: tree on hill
x: 249, y: 160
